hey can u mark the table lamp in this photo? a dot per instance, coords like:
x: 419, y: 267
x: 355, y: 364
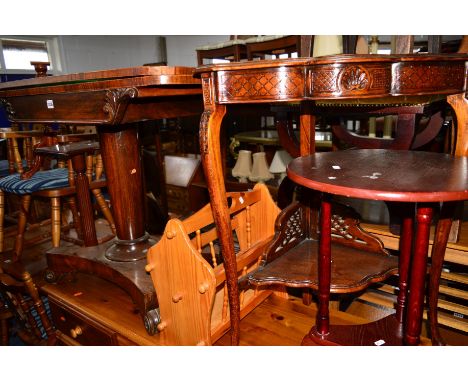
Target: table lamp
x: 260, y: 172
x: 243, y: 167
x: 279, y: 163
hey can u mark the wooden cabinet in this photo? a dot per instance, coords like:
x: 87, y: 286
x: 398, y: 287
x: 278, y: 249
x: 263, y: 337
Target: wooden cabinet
x: 75, y: 328
x: 91, y: 311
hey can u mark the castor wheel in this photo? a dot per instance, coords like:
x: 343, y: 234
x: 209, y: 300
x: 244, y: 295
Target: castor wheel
x: 152, y: 319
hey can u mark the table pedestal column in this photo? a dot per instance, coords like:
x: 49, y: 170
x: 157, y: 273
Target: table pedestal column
x: 120, y: 152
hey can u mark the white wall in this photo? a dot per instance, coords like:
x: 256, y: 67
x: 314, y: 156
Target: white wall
x: 181, y: 49
x: 87, y: 53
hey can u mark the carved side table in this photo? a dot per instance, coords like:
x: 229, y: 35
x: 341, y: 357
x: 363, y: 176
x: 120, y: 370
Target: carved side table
x: 396, y: 80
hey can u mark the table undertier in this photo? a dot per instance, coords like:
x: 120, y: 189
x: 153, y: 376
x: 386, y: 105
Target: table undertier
x: 352, y: 269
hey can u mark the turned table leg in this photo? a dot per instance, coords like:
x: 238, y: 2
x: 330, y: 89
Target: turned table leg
x: 120, y: 152
x: 324, y: 266
x: 404, y: 260
x: 418, y: 275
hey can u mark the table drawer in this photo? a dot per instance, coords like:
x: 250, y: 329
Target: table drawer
x: 79, y: 329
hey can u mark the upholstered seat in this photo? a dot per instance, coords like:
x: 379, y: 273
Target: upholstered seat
x: 264, y: 38
x: 41, y: 180
x: 223, y: 44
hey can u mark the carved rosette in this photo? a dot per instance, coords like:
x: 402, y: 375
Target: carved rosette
x: 354, y: 79
x: 116, y: 103
x: 8, y: 108
x: 348, y: 80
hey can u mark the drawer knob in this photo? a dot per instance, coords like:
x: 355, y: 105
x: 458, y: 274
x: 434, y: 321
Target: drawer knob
x: 176, y: 298
x: 76, y: 332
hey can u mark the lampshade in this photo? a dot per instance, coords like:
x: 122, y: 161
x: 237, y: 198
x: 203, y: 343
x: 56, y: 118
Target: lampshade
x: 260, y: 172
x: 280, y: 161
x: 243, y: 167
x: 325, y: 45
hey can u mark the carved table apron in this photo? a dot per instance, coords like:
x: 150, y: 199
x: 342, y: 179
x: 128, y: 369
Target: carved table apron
x: 115, y: 101
x: 396, y: 80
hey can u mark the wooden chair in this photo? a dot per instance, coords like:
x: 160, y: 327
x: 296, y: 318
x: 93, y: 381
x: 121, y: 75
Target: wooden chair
x: 23, y: 302
x: 20, y: 157
x: 258, y: 47
x: 188, y: 277
x: 54, y: 184
x: 233, y: 50
x: 19, y: 150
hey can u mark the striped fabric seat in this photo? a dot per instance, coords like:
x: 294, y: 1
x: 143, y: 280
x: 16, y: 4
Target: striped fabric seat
x: 41, y: 180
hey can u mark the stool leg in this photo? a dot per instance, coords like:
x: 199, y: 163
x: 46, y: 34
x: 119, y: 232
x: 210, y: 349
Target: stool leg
x: 437, y: 260
x: 406, y: 241
x: 55, y: 221
x: 324, y: 266
x: 418, y: 275
x: 22, y: 220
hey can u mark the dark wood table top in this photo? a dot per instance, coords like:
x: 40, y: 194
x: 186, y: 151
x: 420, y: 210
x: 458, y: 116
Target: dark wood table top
x: 136, y: 76
x: 387, y: 77
x: 395, y: 175
x: 109, y: 97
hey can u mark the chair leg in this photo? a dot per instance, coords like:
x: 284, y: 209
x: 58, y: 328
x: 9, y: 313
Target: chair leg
x: 104, y: 208
x: 56, y: 224
x: 22, y: 220
x: 2, y: 218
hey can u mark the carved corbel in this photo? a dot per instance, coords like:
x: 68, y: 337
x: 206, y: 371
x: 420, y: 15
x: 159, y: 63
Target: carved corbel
x: 116, y: 104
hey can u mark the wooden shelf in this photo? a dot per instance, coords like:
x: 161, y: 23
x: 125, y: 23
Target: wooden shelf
x: 298, y: 268
x: 456, y: 252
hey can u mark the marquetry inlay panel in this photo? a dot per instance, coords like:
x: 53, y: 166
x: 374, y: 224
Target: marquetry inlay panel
x: 430, y: 76
x: 273, y: 84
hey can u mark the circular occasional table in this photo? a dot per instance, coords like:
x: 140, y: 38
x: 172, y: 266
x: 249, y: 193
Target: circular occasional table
x: 422, y: 178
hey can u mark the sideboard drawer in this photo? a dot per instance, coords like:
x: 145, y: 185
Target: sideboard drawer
x: 79, y: 329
